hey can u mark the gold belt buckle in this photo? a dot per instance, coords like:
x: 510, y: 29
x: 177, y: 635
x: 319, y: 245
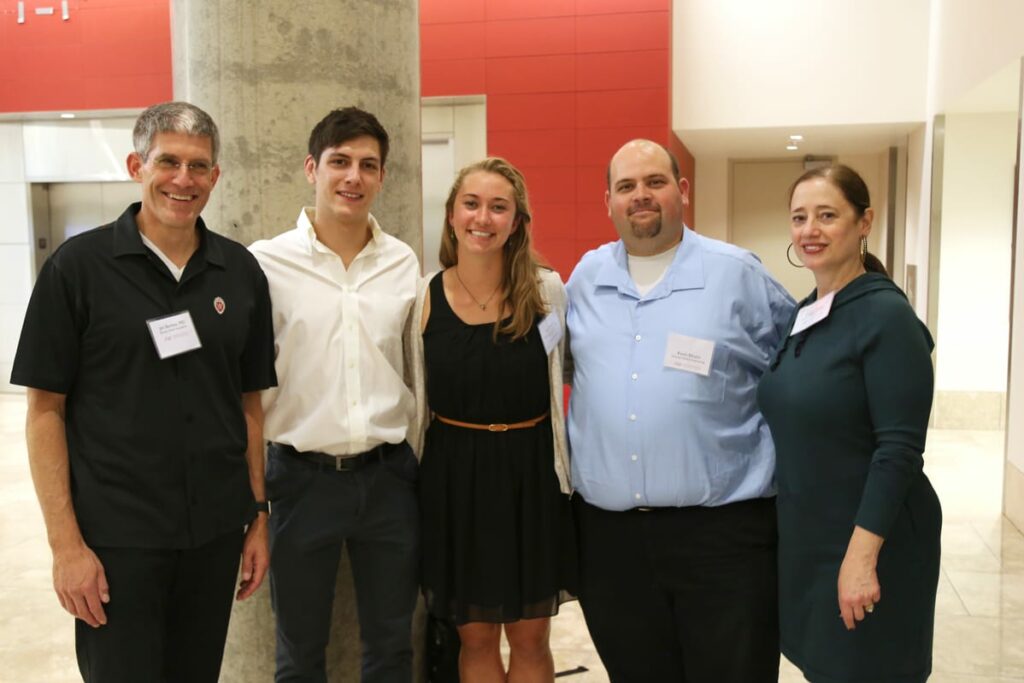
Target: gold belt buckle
x: 497, y: 428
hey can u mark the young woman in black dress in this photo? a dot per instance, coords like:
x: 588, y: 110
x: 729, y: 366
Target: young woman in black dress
x: 498, y: 544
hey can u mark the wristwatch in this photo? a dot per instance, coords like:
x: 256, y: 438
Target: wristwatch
x: 263, y: 506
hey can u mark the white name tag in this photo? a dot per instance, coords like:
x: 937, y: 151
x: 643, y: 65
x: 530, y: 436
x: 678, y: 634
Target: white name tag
x: 689, y: 354
x: 174, y: 334
x: 550, y: 329
x: 813, y: 314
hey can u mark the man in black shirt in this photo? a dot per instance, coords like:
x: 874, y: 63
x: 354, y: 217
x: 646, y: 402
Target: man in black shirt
x: 144, y: 349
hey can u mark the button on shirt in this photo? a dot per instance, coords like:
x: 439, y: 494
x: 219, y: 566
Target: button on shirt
x: 338, y: 334
x: 156, y: 447
x: 646, y: 435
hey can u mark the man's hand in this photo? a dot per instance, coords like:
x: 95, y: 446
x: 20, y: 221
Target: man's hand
x: 81, y: 584
x: 255, y: 557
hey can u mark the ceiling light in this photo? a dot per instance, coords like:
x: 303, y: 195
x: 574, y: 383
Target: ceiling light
x: 67, y: 116
x: 796, y: 138
x: 792, y: 148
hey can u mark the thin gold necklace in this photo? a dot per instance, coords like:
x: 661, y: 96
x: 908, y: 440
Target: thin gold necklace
x: 483, y: 306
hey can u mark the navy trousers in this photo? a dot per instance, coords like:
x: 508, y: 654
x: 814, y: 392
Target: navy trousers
x: 316, y: 511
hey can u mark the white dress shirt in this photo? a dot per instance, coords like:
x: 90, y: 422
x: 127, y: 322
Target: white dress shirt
x: 338, y: 341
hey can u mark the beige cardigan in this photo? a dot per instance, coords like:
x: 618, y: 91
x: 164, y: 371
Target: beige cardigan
x: 553, y: 292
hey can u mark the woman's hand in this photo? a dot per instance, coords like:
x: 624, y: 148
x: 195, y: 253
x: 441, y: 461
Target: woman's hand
x: 858, y: 586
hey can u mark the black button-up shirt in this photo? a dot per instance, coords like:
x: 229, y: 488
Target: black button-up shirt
x: 156, y: 447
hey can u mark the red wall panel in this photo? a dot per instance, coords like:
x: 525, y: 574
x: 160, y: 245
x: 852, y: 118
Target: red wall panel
x: 451, y: 11
x: 551, y: 185
x: 523, y: 9
x: 624, y: 31
x: 584, y: 7
x: 453, y: 41
x: 621, y: 70
x: 567, y: 83
x: 534, y: 147
x: 602, y: 109
x: 515, y: 38
x: 453, y: 77
x: 110, y: 54
x: 546, y: 73
x: 531, y: 111
x: 595, y: 146
x: 687, y: 168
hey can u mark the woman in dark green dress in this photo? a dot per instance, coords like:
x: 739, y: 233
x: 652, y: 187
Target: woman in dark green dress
x: 847, y: 399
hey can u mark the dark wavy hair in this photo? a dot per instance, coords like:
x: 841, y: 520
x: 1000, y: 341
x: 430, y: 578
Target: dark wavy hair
x: 346, y: 124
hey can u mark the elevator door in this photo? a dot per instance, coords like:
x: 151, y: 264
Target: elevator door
x: 62, y: 210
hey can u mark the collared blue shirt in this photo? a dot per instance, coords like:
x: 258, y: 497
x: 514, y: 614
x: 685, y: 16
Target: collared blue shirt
x: 646, y: 435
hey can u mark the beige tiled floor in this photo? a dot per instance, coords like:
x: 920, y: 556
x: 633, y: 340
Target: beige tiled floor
x: 979, y: 634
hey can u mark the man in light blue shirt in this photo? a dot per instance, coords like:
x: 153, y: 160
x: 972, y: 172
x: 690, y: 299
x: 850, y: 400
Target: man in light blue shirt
x: 670, y: 333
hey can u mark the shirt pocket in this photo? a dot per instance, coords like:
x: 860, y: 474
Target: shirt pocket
x: 693, y: 387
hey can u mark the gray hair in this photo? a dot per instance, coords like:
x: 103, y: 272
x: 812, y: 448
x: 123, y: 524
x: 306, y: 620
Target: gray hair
x: 173, y: 117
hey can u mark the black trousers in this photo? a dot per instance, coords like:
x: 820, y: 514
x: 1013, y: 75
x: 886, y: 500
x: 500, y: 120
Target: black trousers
x: 684, y: 595
x: 167, y: 617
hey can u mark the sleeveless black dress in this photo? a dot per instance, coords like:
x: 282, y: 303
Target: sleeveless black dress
x: 498, y: 540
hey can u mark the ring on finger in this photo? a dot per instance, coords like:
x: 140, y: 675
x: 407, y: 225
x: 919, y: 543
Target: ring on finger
x: 869, y: 608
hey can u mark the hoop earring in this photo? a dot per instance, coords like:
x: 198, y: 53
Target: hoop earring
x: 789, y: 257
x: 863, y: 248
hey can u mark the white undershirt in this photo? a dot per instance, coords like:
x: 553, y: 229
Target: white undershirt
x: 175, y: 270
x: 647, y: 271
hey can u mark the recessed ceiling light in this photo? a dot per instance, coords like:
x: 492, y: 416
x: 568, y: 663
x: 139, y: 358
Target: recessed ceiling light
x: 792, y: 148
x: 67, y: 116
x: 796, y: 138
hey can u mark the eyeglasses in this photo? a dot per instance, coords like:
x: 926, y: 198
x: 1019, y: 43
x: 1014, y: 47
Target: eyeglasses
x: 198, y: 169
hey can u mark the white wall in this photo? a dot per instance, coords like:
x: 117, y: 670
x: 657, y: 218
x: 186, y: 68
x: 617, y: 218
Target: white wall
x: 970, y: 42
x: 745, y: 64
x: 759, y: 218
x: 711, y: 213
x: 15, y: 246
x: 71, y: 151
x: 974, y: 284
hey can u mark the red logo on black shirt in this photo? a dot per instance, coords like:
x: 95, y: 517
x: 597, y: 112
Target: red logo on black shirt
x: 219, y: 305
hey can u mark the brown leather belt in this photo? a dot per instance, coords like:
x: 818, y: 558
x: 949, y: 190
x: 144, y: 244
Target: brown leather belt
x: 525, y: 424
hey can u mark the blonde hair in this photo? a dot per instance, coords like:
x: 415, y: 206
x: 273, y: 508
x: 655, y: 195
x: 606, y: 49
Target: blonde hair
x: 519, y: 280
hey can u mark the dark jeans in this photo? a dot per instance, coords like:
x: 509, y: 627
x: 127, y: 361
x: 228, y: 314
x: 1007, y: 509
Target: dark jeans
x: 317, y: 510
x: 682, y: 594
x: 167, y: 617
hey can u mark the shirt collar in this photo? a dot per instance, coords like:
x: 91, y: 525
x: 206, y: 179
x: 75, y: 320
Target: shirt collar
x: 685, y: 272
x: 128, y: 239
x: 304, y: 224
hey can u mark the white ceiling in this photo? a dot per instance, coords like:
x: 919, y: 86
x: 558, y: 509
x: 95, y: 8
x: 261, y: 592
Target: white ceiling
x: 999, y: 93
x: 756, y: 143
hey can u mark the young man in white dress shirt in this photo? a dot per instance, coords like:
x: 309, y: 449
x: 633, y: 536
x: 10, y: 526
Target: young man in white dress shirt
x: 339, y: 470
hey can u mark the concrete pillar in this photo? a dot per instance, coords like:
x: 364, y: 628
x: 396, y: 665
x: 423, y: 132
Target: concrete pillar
x: 267, y: 72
